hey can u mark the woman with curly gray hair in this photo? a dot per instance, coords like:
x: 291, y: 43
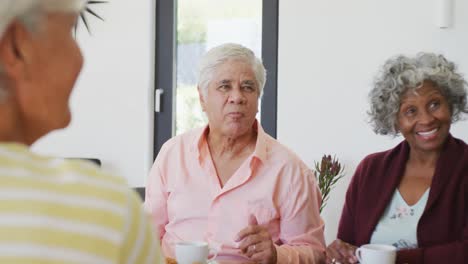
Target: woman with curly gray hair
x: 414, y: 196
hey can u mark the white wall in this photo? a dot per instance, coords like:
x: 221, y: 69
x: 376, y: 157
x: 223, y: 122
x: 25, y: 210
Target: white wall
x: 112, y: 100
x: 329, y: 51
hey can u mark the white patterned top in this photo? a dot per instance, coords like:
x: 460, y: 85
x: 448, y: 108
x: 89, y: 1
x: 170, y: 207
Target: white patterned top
x: 399, y: 222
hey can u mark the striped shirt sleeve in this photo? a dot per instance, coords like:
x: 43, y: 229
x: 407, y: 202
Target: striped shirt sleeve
x: 140, y: 244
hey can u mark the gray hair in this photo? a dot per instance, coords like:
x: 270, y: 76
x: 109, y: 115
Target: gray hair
x: 222, y: 53
x: 401, y: 73
x: 29, y: 13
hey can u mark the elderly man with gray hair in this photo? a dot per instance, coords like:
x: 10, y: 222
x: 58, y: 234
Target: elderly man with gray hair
x: 51, y: 210
x: 229, y: 183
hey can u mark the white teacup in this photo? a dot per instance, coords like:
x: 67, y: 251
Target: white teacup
x: 376, y: 253
x: 194, y: 253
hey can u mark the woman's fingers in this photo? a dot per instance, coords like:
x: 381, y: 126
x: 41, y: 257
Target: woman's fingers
x: 342, y: 252
x: 333, y: 253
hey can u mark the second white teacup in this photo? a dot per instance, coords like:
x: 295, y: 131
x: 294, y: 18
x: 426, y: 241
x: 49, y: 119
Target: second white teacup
x: 194, y: 253
x: 376, y: 253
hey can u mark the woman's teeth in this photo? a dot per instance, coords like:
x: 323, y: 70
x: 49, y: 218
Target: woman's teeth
x: 427, y: 133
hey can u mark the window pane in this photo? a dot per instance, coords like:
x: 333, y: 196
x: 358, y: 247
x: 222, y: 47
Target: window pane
x: 201, y: 25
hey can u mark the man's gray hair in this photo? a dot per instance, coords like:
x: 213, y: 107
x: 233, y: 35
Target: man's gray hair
x: 216, y: 56
x: 401, y: 73
x: 29, y: 12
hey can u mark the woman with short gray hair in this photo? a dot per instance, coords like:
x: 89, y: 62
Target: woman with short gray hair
x: 413, y: 196
x: 54, y: 210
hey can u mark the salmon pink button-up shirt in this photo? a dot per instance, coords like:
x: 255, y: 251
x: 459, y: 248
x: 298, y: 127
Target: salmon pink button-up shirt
x: 187, y: 202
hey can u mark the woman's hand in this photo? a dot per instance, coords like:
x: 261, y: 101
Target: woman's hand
x: 256, y: 243
x: 341, y: 252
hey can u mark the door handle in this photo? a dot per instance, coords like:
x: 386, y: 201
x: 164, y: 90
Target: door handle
x: 157, y: 100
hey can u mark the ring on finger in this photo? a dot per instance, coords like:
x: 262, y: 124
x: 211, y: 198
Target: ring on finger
x: 254, y: 248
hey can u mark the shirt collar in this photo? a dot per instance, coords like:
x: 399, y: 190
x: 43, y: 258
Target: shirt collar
x: 199, y: 146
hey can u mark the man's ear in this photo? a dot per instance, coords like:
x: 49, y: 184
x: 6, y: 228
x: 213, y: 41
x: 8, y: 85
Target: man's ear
x: 202, y: 99
x: 15, y: 44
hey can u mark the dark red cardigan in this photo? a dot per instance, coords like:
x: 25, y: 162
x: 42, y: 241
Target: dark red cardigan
x: 443, y: 228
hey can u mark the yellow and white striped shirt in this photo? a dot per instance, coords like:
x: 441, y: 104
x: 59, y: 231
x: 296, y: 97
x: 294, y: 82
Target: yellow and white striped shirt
x: 55, y: 211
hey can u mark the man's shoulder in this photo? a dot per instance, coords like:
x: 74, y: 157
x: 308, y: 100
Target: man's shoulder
x: 185, y: 140
x: 278, y: 153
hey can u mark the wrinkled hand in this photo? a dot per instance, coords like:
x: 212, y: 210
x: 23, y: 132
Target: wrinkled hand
x: 341, y: 252
x: 256, y: 243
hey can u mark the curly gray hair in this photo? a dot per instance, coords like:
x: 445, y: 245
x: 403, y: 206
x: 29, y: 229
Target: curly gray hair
x: 219, y: 55
x: 401, y: 73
